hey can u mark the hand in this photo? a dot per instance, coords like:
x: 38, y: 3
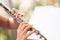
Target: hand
x: 13, y: 23
x: 10, y: 23
x: 17, y: 13
x: 22, y: 32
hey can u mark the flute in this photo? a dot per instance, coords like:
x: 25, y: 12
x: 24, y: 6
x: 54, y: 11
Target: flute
x: 19, y: 20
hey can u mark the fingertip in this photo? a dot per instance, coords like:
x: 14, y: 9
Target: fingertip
x: 13, y: 9
x: 31, y: 32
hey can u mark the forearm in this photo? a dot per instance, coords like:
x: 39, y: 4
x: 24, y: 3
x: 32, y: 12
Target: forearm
x: 13, y: 24
x: 8, y: 23
x: 3, y: 22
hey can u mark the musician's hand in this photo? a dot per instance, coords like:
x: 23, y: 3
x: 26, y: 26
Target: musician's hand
x: 13, y: 23
x: 22, y: 32
x: 17, y: 13
x: 10, y: 23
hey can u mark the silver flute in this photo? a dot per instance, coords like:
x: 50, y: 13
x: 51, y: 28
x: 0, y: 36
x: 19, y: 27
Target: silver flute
x: 19, y: 20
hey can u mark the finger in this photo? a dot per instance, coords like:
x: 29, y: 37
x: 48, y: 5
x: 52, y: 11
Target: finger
x: 31, y: 32
x: 20, y: 25
x: 18, y: 13
x: 14, y: 10
x: 13, y: 13
x: 27, y: 28
x: 24, y: 26
x: 21, y: 15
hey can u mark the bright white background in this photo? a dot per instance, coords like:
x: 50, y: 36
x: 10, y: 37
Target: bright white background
x: 47, y: 20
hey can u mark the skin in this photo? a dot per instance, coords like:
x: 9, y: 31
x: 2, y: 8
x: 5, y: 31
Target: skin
x: 22, y: 33
x: 10, y: 23
x: 22, y: 28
